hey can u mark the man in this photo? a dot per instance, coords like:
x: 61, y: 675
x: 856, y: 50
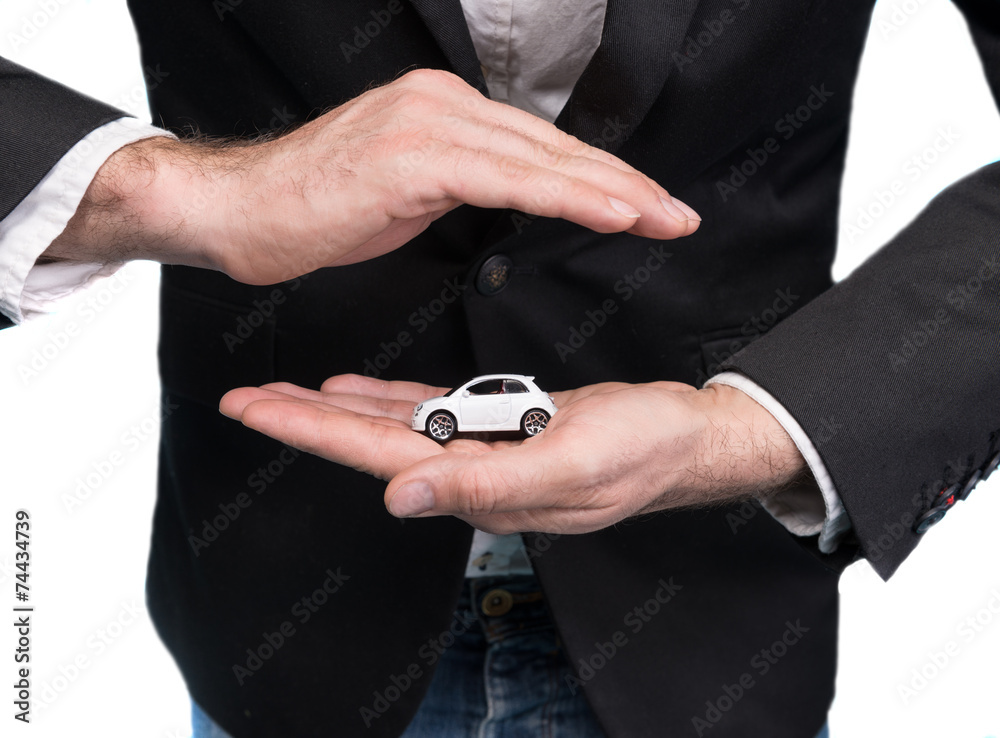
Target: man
x: 648, y: 362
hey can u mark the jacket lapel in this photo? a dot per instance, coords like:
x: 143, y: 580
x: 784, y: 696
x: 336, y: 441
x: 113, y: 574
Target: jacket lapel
x: 621, y: 82
x: 628, y: 70
x: 615, y: 91
x: 446, y: 22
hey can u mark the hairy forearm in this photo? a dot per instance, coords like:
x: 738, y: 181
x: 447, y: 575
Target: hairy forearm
x: 750, y: 453
x: 743, y: 453
x: 136, y: 208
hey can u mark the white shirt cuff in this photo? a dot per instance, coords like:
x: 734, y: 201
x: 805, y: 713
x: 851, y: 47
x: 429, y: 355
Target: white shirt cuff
x: 800, y: 510
x: 28, y: 289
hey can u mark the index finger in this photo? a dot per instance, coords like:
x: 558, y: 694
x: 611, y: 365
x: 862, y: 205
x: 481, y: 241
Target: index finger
x: 375, y: 446
x: 356, y: 384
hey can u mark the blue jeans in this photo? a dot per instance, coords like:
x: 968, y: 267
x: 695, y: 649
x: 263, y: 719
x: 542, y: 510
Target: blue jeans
x: 504, y: 676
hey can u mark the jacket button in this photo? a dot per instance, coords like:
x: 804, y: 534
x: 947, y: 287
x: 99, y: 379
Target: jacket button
x: 930, y: 518
x: 973, y: 481
x: 497, y: 602
x: 494, y: 274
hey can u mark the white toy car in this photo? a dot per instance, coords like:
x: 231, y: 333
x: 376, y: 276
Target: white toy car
x: 493, y: 402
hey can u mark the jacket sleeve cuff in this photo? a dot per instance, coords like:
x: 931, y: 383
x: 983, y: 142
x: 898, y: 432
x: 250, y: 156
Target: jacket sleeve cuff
x: 28, y: 289
x: 800, y: 510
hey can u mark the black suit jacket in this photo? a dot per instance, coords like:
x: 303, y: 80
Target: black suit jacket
x: 245, y: 529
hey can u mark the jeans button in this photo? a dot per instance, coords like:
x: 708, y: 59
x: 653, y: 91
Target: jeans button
x: 497, y: 602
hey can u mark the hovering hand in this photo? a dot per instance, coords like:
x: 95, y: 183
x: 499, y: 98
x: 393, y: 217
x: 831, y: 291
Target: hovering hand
x: 355, y: 183
x: 612, y: 451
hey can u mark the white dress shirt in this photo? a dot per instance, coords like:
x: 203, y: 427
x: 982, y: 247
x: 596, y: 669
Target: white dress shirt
x: 27, y: 289
x: 532, y: 54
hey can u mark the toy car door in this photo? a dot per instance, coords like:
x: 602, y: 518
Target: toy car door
x: 484, y: 404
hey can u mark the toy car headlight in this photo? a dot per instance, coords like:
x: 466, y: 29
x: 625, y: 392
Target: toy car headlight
x: 417, y: 408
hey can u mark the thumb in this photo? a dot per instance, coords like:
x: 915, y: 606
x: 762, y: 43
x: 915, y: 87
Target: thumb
x: 472, y: 484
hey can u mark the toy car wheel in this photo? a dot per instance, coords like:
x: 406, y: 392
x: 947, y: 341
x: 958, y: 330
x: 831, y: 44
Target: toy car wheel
x: 441, y: 426
x: 534, y: 422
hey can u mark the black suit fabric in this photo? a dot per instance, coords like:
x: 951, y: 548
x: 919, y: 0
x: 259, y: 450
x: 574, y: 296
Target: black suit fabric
x: 39, y: 121
x: 698, y: 595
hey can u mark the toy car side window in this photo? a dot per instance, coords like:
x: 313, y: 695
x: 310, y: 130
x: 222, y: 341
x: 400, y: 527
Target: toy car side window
x: 512, y: 386
x: 489, y: 387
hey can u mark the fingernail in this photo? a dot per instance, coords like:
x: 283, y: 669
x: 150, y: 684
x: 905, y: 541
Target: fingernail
x: 412, y: 499
x: 678, y: 210
x: 624, y: 208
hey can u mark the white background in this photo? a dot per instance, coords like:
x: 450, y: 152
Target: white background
x: 97, y: 395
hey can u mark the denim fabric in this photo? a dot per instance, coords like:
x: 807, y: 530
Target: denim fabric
x: 202, y: 726
x: 503, y: 677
